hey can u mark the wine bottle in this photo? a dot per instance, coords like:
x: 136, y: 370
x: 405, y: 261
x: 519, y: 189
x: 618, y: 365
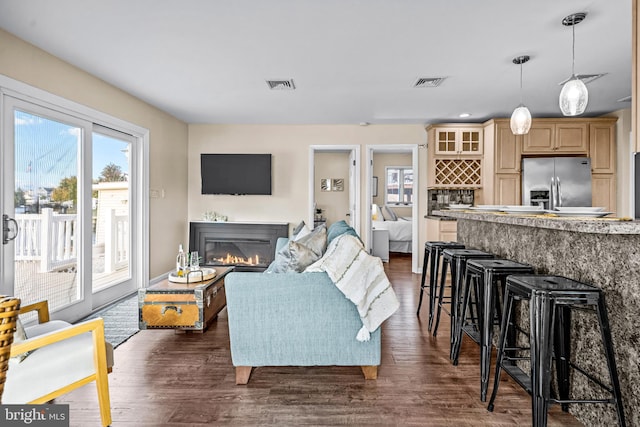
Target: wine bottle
x: 181, y: 262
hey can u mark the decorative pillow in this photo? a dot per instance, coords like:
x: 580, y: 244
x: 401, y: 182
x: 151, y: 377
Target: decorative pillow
x: 303, y: 232
x: 338, y: 228
x: 297, y: 229
x: 391, y: 215
x: 297, y: 255
x: 381, y: 215
x: 18, y: 336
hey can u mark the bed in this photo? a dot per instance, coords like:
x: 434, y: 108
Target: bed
x: 400, y: 233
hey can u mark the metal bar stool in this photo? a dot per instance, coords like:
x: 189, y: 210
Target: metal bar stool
x: 550, y: 301
x: 456, y: 259
x: 432, y: 253
x: 487, y: 275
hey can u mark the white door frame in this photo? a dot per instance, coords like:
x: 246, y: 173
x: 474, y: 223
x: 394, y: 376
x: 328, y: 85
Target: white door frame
x: 394, y: 148
x: 354, y: 151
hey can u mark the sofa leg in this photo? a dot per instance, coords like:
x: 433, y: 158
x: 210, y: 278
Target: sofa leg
x: 370, y: 372
x: 242, y: 374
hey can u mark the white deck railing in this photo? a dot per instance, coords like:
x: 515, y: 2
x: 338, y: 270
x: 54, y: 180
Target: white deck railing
x: 51, y: 239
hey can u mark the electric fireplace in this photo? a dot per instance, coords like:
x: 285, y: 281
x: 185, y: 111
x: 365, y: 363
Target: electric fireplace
x: 247, y: 246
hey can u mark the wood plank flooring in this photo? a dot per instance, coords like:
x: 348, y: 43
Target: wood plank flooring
x: 161, y: 378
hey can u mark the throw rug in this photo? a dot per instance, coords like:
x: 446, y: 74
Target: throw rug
x: 120, y: 320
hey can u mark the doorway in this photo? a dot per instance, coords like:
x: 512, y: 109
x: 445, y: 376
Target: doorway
x: 392, y: 177
x: 71, y: 203
x: 334, y: 184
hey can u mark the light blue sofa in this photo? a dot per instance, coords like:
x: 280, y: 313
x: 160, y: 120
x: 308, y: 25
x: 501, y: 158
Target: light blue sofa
x: 294, y: 319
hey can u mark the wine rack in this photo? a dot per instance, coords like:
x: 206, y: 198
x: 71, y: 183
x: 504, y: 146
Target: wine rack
x: 458, y: 172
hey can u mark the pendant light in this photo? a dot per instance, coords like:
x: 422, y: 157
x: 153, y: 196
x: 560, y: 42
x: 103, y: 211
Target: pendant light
x: 521, y: 117
x: 574, y: 95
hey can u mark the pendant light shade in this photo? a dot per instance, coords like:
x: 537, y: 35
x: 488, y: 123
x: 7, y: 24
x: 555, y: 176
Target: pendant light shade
x: 574, y: 95
x: 521, y: 116
x: 520, y: 120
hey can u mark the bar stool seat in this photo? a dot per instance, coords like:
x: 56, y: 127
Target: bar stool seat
x: 457, y: 260
x: 486, y: 275
x: 432, y: 254
x: 550, y: 301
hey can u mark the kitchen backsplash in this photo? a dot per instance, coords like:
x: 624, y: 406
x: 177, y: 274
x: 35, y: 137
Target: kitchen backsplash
x: 439, y: 199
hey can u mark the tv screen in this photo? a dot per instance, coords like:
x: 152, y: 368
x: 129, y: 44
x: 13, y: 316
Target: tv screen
x: 235, y: 173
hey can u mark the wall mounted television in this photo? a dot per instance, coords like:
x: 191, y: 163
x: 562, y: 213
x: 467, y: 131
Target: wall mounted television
x: 236, y: 173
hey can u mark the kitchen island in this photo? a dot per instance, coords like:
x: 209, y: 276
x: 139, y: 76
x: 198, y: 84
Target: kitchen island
x: 602, y: 252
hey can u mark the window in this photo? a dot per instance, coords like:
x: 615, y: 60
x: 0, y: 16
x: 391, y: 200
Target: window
x: 399, y: 186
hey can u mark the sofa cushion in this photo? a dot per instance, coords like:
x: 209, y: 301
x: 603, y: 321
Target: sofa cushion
x: 297, y: 255
x: 338, y: 228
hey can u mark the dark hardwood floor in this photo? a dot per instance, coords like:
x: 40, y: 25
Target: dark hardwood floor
x: 163, y: 378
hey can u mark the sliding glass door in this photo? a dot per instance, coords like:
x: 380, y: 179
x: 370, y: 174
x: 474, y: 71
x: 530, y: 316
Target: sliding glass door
x: 67, y: 209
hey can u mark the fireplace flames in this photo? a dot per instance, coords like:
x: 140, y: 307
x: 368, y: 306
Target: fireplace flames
x: 232, y: 259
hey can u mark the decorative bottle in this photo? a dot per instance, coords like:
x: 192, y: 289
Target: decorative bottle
x: 181, y: 262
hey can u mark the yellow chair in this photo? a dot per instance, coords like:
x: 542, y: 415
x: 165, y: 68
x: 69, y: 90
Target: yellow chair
x: 9, y: 307
x: 62, y: 357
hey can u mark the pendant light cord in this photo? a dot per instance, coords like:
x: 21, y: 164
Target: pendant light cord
x: 573, y: 48
x: 521, y: 84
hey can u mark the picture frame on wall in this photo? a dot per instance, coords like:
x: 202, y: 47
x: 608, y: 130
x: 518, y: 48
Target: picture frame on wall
x: 374, y: 186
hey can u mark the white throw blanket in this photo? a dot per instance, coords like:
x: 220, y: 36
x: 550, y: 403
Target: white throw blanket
x: 362, y: 279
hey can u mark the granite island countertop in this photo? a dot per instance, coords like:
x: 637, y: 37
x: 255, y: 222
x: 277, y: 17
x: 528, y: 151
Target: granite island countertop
x: 576, y: 224
x: 603, y: 252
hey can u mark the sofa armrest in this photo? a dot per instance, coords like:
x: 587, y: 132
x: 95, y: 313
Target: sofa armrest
x: 294, y: 319
x: 41, y: 307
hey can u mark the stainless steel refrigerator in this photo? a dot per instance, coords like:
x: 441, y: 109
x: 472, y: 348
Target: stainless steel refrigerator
x: 556, y: 181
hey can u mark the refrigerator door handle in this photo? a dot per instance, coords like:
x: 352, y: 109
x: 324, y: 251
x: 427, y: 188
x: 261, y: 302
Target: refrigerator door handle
x: 559, y: 192
x: 552, y: 195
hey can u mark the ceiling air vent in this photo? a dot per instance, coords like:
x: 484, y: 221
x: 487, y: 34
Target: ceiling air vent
x: 586, y: 78
x: 281, y: 84
x: 428, y: 81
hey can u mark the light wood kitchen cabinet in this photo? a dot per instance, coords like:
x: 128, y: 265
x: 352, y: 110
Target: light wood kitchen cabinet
x: 602, y: 147
x: 508, y: 189
x: 442, y: 230
x: 555, y: 137
x: 454, y: 157
x: 463, y: 141
x: 603, y: 191
x: 508, y: 147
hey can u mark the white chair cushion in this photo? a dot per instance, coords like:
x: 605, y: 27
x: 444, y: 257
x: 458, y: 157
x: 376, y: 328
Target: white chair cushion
x: 48, y: 369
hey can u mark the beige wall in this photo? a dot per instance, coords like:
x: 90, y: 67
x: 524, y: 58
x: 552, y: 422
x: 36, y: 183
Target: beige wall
x: 167, y: 136
x: 289, y: 146
x: 334, y: 204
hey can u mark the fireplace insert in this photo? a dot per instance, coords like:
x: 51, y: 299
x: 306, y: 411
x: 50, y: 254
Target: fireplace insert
x: 247, y: 246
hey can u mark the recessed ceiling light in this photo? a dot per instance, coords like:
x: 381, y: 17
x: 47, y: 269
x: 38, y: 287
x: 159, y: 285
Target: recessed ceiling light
x: 464, y: 115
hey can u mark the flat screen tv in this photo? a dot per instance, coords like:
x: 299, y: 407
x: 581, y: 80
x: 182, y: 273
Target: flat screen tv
x: 235, y: 173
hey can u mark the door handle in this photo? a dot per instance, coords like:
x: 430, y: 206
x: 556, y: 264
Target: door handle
x: 559, y: 191
x: 6, y: 229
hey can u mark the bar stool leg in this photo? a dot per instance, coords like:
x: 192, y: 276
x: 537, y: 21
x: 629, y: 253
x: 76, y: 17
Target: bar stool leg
x: 457, y: 341
x: 456, y: 284
x: 486, y: 334
x: 562, y: 345
x: 433, y: 283
x: 607, y: 342
x: 443, y: 279
x: 425, y: 262
x: 504, y: 330
x: 541, y: 338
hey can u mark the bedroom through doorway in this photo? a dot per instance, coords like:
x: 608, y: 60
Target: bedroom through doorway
x: 392, y: 196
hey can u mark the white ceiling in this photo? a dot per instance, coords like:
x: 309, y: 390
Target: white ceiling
x: 352, y: 61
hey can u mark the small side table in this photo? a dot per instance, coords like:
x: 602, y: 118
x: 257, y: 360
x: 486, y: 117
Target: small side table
x: 381, y: 244
x: 182, y: 306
